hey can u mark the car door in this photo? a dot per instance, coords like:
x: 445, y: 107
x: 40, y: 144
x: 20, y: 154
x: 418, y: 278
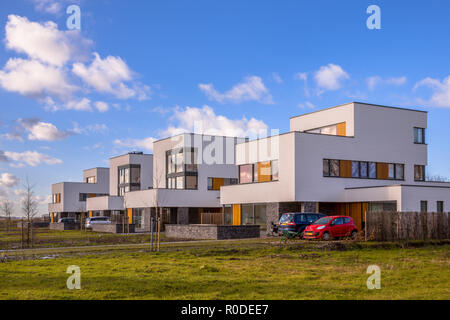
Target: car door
x: 336, y: 227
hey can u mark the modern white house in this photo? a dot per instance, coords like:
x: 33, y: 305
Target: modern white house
x: 347, y: 160
x: 69, y: 198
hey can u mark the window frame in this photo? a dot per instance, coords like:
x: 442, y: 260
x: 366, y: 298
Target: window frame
x: 421, y: 135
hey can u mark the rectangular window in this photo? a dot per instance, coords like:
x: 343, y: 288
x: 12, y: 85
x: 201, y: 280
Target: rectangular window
x: 191, y: 160
x: 83, y: 197
x: 275, y: 170
x: 191, y: 182
x: 355, y: 169
x: 440, y: 206
x: 400, y: 171
x: 423, y: 206
x: 264, y: 172
x: 391, y: 171
x: 136, y: 175
x: 210, y: 183
x: 247, y: 214
x: 246, y: 173
x: 419, y: 173
x: 419, y: 135
x: 334, y: 168
x: 255, y: 172
x: 326, y: 167
x: 372, y: 170
x: 92, y: 180
x: 180, y: 182
x: 363, y: 169
x: 179, y: 162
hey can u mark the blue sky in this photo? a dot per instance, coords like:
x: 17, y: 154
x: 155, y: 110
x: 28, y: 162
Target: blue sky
x: 142, y: 70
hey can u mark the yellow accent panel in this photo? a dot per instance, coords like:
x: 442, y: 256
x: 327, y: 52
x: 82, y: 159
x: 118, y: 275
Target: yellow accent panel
x: 218, y: 182
x: 341, y: 129
x: 264, y: 172
x: 90, y: 214
x: 52, y: 217
x: 130, y: 216
x: 236, y: 214
x: 346, y: 169
x: 382, y: 171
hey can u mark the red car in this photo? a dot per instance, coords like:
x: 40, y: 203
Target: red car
x: 330, y: 227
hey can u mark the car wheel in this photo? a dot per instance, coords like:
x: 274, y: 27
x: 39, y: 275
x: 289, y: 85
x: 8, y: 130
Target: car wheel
x: 326, y: 236
x: 354, y: 234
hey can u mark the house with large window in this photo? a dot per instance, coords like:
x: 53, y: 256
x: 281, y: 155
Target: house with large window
x: 346, y: 160
x: 69, y: 198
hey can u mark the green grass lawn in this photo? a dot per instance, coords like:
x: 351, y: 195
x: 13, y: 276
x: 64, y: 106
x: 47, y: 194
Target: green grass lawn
x: 237, y: 270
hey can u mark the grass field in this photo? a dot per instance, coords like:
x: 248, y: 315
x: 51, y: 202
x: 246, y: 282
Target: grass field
x: 256, y: 269
x: 45, y: 238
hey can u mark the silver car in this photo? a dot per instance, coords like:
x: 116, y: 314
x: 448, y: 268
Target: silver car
x: 97, y: 220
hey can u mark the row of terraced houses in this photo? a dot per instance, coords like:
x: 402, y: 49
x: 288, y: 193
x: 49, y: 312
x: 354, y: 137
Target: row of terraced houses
x: 347, y: 159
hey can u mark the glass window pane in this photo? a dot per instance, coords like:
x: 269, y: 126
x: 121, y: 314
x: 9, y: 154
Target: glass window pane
x: 419, y: 173
x: 247, y: 214
x: 255, y: 172
x: 191, y: 182
x: 136, y: 175
x: 440, y: 206
x: 245, y: 173
x: 210, y: 183
x: 228, y: 216
x: 391, y: 171
x: 179, y: 162
x: 260, y: 216
x: 355, y: 169
x: 275, y: 170
x: 399, y: 171
x: 329, y: 130
x: 191, y: 160
x: 326, y: 168
x: 180, y: 182
x: 372, y: 170
x: 423, y: 206
x: 334, y: 168
x: 363, y: 170
x: 264, y: 171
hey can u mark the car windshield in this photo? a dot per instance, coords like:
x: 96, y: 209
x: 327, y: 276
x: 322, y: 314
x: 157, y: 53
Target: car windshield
x: 323, y: 220
x: 287, y: 217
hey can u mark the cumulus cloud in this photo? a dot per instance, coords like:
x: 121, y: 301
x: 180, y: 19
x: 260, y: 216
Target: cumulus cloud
x: 109, y: 75
x: 330, y: 77
x: 54, y: 68
x: 44, y: 42
x: 31, y: 158
x: 101, y: 106
x: 3, y: 157
x: 374, y: 81
x: 51, y: 6
x: 142, y: 144
x: 8, y: 180
x: 43, y: 131
x: 251, y: 89
x: 276, y: 77
x: 35, y: 79
x: 440, y: 96
x: 204, y: 120
x: 306, y: 105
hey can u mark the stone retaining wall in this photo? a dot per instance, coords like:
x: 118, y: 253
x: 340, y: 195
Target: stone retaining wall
x: 64, y: 226
x: 113, y: 228
x: 211, y: 232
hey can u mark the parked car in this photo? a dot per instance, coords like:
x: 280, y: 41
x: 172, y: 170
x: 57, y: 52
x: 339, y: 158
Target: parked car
x: 330, y: 227
x: 296, y: 222
x: 67, y: 220
x: 97, y: 220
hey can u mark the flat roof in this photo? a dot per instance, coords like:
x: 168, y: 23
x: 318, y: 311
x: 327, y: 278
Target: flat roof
x: 364, y: 103
x: 199, y: 134
x: 132, y: 154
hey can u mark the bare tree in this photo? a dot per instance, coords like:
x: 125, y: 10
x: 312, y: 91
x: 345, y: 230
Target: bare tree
x: 29, y: 207
x: 437, y: 178
x: 7, y: 209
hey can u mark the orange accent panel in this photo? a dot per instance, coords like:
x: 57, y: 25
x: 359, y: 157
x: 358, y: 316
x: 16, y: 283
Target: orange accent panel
x: 346, y: 169
x: 92, y: 195
x: 52, y: 217
x: 90, y: 214
x: 236, y: 214
x: 218, y: 182
x: 341, y: 129
x: 264, y: 172
x: 382, y: 171
x: 130, y: 216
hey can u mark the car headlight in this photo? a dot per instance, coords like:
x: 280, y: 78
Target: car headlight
x: 321, y: 227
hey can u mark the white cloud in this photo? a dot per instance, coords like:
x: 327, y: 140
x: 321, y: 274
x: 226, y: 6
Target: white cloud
x: 330, y: 77
x: 43, y: 131
x: 374, y: 81
x: 205, y: 120
x: 35, y: 79
x: 109, y: 75
x: 102, y: 106
x: 145, y: 144
x: 440, y: 91
x: 301, y: 76
x: 8, y: 180
x: 44, y: 42
x: 31, y: 158
x: 49, y: 6
x: 276, y: 77
x: 306, y: 105
x: 251, y: 89
x: 79, y: 105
